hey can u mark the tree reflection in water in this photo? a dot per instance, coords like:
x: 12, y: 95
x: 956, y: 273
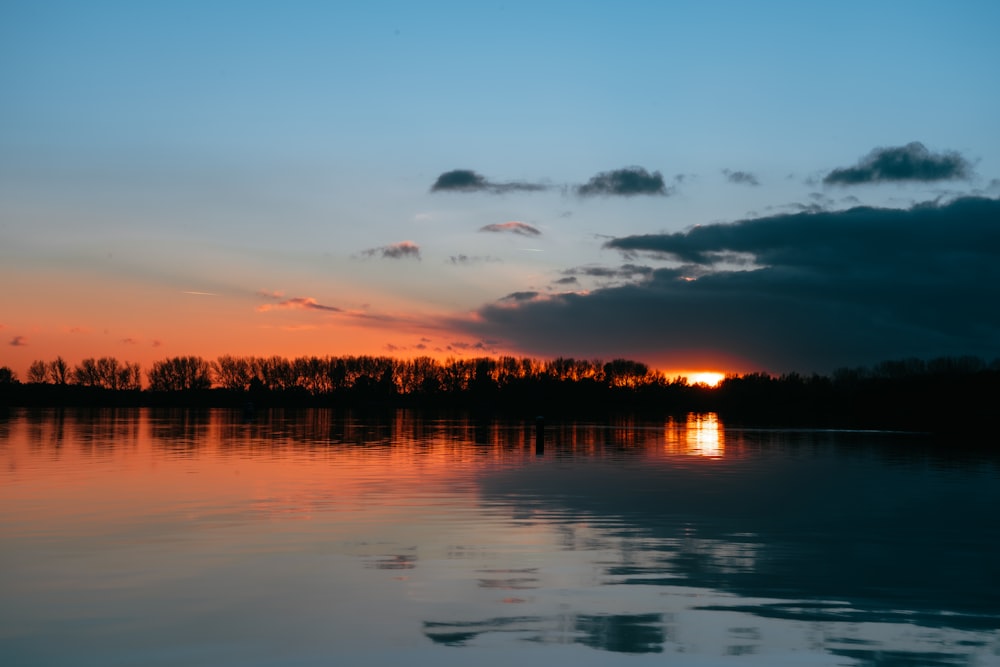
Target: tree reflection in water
x: 621, y: 633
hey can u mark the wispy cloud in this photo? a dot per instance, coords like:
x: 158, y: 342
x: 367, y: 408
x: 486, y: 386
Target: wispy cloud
x: 512, y: 227
x: 912, y: 162
x: 298, y: 303
x: 477, y: 347
x: 18, y: 341
x: 816, y: 291
x: 466, y: 180
x: 740, y: 177
x: 625, y: 271
x: 520, y: 296
x: 401, y: 250
x: 474, y: 259
x: 625, y: 182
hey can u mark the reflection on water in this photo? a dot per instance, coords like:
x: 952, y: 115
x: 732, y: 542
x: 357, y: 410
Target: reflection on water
x: 316, y: 537
x: 700, y: 434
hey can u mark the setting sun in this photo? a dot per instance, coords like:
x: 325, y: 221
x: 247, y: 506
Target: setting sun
x: 710, y: 378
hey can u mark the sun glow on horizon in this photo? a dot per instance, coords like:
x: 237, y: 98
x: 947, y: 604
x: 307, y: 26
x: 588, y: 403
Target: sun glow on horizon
x: 709, y: 378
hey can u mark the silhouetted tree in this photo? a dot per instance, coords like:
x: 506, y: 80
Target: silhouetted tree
x: 233, y: 373
x: 7, y: 376
x: 180, y: 374
x: 38, y: 372
x: 311, y: 375
x: 59, y: 372
x: 86, y: 374
x: 625, y: 373
x: 119, y: 376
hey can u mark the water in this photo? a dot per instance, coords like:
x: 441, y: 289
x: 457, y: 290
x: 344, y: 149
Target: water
x: 319, y: 538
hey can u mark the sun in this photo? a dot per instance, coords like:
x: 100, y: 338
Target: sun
x: 709, y: 378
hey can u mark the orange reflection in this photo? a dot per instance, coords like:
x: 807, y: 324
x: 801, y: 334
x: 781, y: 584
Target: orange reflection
x: 702, y: 434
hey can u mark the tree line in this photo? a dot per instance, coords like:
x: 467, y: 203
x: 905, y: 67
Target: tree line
x: 946, y: 393
x: 318, y: 376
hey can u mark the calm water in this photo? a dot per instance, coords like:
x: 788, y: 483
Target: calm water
x: 320, y: 538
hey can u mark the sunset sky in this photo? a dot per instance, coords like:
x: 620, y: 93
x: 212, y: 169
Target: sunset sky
x: 728, y: 186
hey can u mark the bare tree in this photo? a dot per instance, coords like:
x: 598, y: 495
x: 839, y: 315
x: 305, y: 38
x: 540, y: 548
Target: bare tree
x: 180, y: 374
x: 86, y: 373
x: 38, y: 372
x: 59, y: 371
x: 233, y: 373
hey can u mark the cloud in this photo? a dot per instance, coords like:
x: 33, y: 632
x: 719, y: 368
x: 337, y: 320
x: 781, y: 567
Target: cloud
x: 478, y: 347
x: 626, y: 183
x: 298, y: 303
x: 476, y: 259
x: 520, y: 296
x: 399, y: 250
x: 130, y: 341
x: 816, y: 291
x: 466, y: 180
x: 912, y: 162
x: 626, y: 271
x: 513, y: 227
x: 740, y: 177
x: 270, y: 294
x: 19, y: 341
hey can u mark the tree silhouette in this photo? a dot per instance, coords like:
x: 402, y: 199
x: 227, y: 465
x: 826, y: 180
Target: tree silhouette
x: 180, y: 374
x: 38, y: 372
x: 7, y: 376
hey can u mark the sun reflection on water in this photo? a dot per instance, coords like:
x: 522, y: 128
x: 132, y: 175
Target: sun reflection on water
x: 701, y: 434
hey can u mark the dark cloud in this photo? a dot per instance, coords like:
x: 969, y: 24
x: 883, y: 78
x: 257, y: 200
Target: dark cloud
x: 912, y: 162
x: 740, y: 177
x: 819, y: 291
x: 626, y: 271
x: 520, y: 296
x: 298, y: 303
x: 460, y: 179
x: 18, y: 341
x: 399, y: 250
x: 625, y: 182
x: 476, y: 347
x: 513, y: 227
x: 466, y: 180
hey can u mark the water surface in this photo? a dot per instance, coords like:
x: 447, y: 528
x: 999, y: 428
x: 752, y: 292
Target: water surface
x: 317, y: 538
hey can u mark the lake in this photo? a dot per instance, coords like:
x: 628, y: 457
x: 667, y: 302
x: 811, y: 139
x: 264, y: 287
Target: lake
x: 315, y: 537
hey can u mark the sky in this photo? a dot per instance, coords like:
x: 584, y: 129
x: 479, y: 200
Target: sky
x: 701, y: 186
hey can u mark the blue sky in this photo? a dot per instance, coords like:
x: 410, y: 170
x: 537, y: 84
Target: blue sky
x: 265, y: 154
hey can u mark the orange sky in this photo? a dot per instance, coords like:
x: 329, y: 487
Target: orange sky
x: 77, y: 316
x: 270, y: 190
